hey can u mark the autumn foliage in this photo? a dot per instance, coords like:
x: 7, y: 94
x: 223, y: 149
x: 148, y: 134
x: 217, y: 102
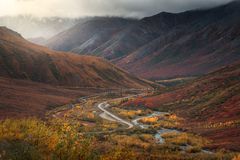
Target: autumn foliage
x: 48, y: 141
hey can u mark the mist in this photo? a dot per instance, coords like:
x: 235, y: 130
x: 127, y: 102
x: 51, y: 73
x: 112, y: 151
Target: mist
x: 46, y: 18
x: 80, y: 8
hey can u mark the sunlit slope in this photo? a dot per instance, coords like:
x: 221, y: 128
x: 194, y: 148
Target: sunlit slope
x: 23, y: 60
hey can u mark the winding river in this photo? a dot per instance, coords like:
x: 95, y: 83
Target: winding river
x: 158, y: 135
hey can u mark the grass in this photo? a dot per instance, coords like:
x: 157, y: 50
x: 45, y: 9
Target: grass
x: 130, y: 114
x: 65, y: 138
x: 237, y: 157
x: 32, y: 138
x: 176, y: 81
x: 149, y: 120
x: 58, y: 140
x: 55, y: 71
x: 184, y: 139
x: 162, y: 121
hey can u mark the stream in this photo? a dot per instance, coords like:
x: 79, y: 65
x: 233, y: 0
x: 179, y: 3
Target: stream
x: 158, y: 136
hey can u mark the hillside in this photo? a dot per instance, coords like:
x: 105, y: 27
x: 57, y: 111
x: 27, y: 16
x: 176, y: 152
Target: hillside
x: 166, y: 45
x: 21, y: 59
x: 210, y: 105
x: 87, y: 37
x: 20, y: 98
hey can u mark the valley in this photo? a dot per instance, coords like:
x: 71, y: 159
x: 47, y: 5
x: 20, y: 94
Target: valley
x: 151, y: 85
x: 143, y: 132
x: 109, y: 113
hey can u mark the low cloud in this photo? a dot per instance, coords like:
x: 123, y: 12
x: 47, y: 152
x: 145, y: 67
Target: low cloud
x: 78, y: 8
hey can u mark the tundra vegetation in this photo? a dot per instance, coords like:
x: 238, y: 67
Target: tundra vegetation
x: 79, y: 133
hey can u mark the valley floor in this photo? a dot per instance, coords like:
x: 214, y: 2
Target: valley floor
x: 101, y: 127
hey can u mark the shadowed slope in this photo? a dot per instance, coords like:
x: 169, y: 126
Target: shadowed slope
x: 87, y: 37
x: 166, y: 45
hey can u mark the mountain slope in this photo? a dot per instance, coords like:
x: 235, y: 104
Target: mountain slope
x: 88, y: 36
x: 23, y: 60
x: 170, y: 45
x: 196, y: 43
x: 21, y: 98
x: 210, y: 105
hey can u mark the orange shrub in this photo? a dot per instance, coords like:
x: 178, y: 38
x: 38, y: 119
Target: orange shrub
x: 149, y: 120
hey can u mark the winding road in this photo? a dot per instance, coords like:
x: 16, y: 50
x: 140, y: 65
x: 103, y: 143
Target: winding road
x: 104, y: 105
x: 158, y: 136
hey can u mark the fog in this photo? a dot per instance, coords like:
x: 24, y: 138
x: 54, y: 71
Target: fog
x: 79, y: 8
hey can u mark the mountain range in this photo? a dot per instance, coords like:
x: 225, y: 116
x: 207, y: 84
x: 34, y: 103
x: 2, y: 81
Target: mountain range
x: 21, y: 59
x: 202, y: 47
x: 165, y: 45
x: 34, y: 79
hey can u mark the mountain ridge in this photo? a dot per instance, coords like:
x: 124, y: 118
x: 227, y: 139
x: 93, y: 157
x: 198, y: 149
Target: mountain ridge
x: 168, y: 45
x: 24, y: 60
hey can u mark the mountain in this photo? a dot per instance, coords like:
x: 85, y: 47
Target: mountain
x: 21, y: 59
x: 87, y: 37
x: 210, y: 105
x: 34, y: 79
x: 166, y: 45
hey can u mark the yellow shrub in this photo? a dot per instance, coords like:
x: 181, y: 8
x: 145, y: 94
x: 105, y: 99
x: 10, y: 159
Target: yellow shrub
x: 78, y: 107
x: 120, y: 153
x: 150, y: 120
x: 91, y: 116
x: 184, y: 139
x: 236, y: 157
x: 58, y: 139
x: 173, y: 117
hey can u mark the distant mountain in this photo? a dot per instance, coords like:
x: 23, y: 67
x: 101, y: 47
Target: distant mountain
x: 87, y: 37
x: 165, y: 45
x: 34, y: 27
x: 210, y: 106
x: 21, y: 59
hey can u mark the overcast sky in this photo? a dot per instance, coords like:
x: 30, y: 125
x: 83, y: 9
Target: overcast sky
x: 78, y: 8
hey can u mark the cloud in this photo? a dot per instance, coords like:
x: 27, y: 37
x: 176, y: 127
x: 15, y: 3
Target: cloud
x: 76, y: 8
